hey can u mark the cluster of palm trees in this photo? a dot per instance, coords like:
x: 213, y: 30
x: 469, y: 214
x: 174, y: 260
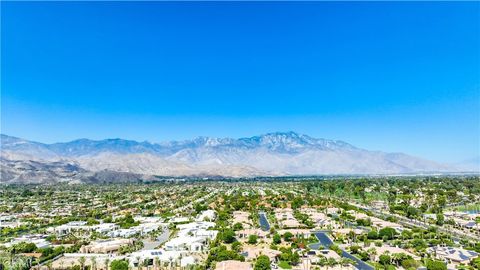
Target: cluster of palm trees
x: 145, y: 264
x: 14, y: 261
x: 171, y: 264
x: 332, y: 262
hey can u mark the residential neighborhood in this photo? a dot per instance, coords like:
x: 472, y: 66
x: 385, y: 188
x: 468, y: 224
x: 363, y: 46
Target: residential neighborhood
x: 275, y: 224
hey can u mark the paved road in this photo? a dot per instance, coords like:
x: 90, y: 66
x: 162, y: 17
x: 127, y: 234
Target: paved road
x: 263, y: 221
x: 162, y: 238
x: 325, y: 241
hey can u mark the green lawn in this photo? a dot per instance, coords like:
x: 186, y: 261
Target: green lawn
x: 284, y: 265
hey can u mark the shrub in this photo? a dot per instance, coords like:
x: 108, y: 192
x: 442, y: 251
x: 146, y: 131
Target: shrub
x: 118, y: 265
x: 288, y: 236
x: 237, y: 226
x: 262, y: 263
x: 228, y: 236
x: 409, y: 263
x: 336, y: 249
x: 372, y: 235
x: 277, y: 239
x: 236, y: 246
x: 252, y: 239
x: 385, y: 259
x: 387, y: 233
x: 436, y: 265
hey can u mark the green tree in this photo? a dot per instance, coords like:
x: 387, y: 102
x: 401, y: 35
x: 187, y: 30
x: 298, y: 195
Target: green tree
x: 23, y: 247
x: 440, y: 219
x: 252, y: 239
x: 436, y: 265
x: 297, y: 203
x: 277, y: 239
x: 372, y: 235
x: 236, y: 246
x: 385, y: 259
x: 262, y: 263
x: 355, y: 249
x: 288, y: 236
x: 387, y: 233
x: 237, y: 226
x: 119, y: 265
x: 409, y: 263
x: 336, y: 249
x: 92, y: 221
x: 331, y: 262
x: 228, y: 236
x: 411, y: 212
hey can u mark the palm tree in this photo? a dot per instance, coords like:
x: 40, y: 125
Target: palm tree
x: 157, y: 263
x: 11, y: 257
x: 93, y: 261
x: 145, y: 263
x: 139, y: 265
x: 371, y: 253
x: 331, y: 262
x: 19, y: 263
x: 346, y: 261
x: 107, y: 263
x: 128, y: 262
x: 398, y: 257
x: 4, y: 260
x: 49, y: 265
x: 81, y: 261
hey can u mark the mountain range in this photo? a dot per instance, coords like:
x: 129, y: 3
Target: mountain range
x: 272, y: 154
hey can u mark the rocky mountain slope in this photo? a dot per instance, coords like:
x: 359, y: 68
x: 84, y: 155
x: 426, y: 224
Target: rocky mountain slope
x: 286, y: 153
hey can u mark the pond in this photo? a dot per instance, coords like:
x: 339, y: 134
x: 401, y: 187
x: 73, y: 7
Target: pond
x: 263, y: 221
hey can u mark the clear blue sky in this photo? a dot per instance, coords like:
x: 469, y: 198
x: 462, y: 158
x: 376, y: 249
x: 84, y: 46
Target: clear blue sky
x: 382, y: 76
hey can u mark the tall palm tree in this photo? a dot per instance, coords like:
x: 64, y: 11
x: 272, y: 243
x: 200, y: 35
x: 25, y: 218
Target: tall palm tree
x: 371, y: 253
x: 398, y: 257
x: 145, y: 263
x: 157, y: 263
x: 81, y: 261
x: 128, y: 262
x: 93, y: 261
x: 4, y: 260
x: 323, y: 261
x: 139, y: 265
x: 331, y: 262
x: 49, y: 265
x: 346, y: 261
x: 107, y: 263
